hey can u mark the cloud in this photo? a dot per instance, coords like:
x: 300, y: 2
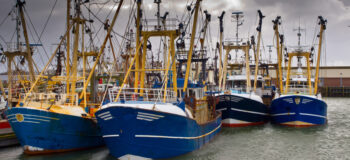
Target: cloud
x: 307, y: 11
x: 345, y: 2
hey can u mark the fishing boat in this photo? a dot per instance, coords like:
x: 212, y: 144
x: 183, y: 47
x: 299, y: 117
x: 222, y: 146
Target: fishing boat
x: 7, y: 136
x: 299, y: 103
x: 239, y: 104
x: 159, y: 122
x: 51, y: 121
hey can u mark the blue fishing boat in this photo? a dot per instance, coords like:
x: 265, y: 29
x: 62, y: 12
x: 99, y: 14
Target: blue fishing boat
x: 299, y: 103
x: 41, y: 131
x: 240, y: 108
x: 160, y: 122
x: 240, y: 104
x: 150, y: 129
x: 52, y: 116
x: 298, y: 110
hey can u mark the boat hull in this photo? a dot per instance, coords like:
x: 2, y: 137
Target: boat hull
x: 42, y: 132
x: 7, y: 136
x: 298, y: 111
x: 133, y: 132
x: 240, y: 111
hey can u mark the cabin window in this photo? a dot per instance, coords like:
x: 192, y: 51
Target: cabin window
x: 191, y: 93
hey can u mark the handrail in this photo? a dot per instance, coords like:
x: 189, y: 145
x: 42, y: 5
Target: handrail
x: 150, y: 94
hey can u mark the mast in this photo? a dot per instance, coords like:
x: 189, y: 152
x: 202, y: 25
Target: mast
x: 68, y: 44
x: 29, y: 51
x: 322, y: 23
x: 78, y: 21
x: 138, y: 33
x: 158, y: 13
x: 189, y: 58
x: 276, y: 23
x: 261, y: 16
x: 202, y: 40
x: 237, y: 17
x: 246, y: 50
x: 12, y: 54
x: 220, y: 47
x: 164, y: 40
x: 102, y: 47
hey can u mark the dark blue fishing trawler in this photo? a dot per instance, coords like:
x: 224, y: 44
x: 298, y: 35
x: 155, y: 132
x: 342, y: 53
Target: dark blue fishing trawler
x: 240, y: 103
x: 299, y: 103
x: 160, y: 122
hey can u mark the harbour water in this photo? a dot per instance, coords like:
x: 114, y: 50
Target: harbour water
x: 264, y: 142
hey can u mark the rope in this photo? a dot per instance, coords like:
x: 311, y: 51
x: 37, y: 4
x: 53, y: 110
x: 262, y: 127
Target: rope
x: 36, y: 33
x: 48, y: 18
x: 102, y: 23
x: 132, y: 13
x: 3, y: 21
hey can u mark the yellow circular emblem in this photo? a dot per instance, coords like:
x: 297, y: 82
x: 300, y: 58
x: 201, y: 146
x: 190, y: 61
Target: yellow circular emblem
x: 19, y: 117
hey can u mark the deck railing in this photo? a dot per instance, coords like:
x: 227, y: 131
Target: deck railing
x: 51, y: 98
x: 149, y: 94
x: 300, y: 89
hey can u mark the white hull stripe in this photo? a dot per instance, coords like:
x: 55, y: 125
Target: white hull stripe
x: 304, y: 114
x: 314, y: 115
x: 108, y: 118
x: 111, y: 135
x: 35, y: 116
x: 144, y: 119
x: 284, y: 114
x: 144, y: 116
x: 105, y: 116
x: 100, y: 115
x: 223, y: 109
x: 149, y: 114
x: 24, y: 122
x: 13, y: 118
x: 173, y: 137
x: 240, y: 110
x: 45, y: 120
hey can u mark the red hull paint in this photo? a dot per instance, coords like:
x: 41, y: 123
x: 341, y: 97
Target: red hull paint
x: 242, y: 124
x: 4, y: 125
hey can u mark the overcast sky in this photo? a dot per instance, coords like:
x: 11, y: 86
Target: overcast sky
x: 293, y: 13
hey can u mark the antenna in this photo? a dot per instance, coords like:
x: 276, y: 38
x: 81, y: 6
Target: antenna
x: 158, y: 13
x: 299, y: 29
x: 238, y: 18
x: 270, y: 51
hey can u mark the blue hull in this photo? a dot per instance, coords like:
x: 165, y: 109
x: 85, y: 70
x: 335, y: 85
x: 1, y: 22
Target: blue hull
x: 299, y: 111
x: 240, y: 111
x: 42, y: 132
x: 163, y: 135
